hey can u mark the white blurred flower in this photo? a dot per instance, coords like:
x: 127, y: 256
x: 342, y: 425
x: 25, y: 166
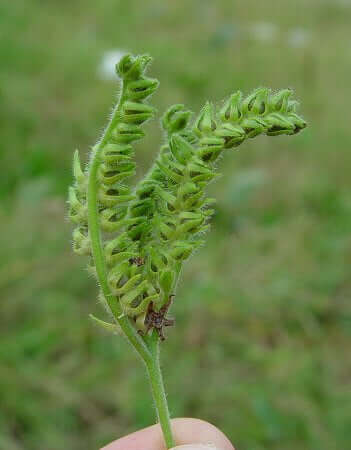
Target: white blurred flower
x: 110, y: 58
x: 263, y: 31
x: 299, y: 38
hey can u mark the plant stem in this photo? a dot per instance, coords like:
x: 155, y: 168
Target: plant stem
x: 147, y: 348
x: 100, y: 263
x: 95, y: 237
x: 158, y: 390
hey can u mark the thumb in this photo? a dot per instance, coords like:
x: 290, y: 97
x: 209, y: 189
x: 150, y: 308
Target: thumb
x: 185, y: 431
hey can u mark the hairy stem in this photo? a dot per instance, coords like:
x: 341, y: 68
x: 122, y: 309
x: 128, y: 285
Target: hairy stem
x: 100, y: 264
x: 147, y: 348
x: 97, y: 250
x: 158, y: 390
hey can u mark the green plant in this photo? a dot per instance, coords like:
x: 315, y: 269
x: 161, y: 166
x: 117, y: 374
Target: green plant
x: 137, y: 240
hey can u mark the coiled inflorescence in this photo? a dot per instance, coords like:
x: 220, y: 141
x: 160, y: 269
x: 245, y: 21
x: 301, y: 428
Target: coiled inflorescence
x: 161, y: 223
x: 132, y: 290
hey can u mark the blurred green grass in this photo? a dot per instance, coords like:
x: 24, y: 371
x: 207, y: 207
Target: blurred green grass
x: 261, y: 346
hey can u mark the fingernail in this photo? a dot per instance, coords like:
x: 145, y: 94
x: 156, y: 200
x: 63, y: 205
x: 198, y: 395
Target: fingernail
x: 195, y: 447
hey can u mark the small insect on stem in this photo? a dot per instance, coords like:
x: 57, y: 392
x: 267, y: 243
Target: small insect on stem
x: 138, y: 261
x: 158, y: 319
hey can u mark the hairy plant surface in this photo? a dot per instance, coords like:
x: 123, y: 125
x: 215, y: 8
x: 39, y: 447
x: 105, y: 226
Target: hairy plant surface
x: 138, y: 239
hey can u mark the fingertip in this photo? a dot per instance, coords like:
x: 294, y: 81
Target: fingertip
x: 186, y: 431
x: 197, y: 431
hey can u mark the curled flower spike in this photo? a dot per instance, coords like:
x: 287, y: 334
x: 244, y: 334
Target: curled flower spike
x: 132, y: 68
x: 138, y: 239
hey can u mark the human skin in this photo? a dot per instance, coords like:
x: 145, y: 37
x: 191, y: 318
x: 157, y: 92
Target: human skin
x: 186, y: 431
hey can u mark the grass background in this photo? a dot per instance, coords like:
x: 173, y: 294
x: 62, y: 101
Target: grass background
x: 262, y: 343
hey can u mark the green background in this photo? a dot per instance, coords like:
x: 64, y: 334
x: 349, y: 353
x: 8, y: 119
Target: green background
x: 262, y: 342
